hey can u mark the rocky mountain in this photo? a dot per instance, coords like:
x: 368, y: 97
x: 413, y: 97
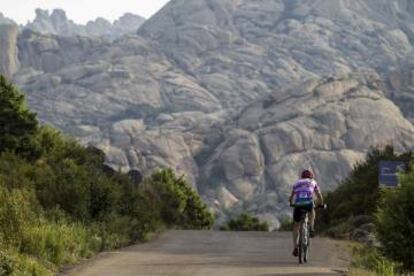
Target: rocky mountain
x: 400, y: 88
x: 9, y: 62
x: 237, y: 94
x: 57, y: 23
x: 5, y: 20
x: 324, y: 124
x: 243, y: 49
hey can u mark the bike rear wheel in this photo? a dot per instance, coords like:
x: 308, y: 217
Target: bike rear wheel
x: 306, y: 244
x: 306, y: 253
x: 303, y: 255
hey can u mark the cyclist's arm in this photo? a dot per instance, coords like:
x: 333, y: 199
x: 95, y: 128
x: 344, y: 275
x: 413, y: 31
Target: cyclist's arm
x: 319, y: 196
x: 291, y: 197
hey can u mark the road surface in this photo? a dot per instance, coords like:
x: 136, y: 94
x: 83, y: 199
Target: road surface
x: 199, y: 253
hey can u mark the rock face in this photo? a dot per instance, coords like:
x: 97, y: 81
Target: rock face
x: 240, y: 50
x: 5, y: 20
x: 57, y: 23
x: 323, y: 124
x: 9, y: 63
x: 49, y: 53
x: 239, y: 95
x: 400, y: 87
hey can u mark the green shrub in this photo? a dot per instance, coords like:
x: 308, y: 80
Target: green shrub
x: 286, y: 224
x: 180, y: 204
x: 395, y: 222
x: 7, y: 264
x: 358, y: 195
x: 57, y: 243
x: 371, y: 259
x: 15, y: 264
x: 359, y: 201
x: 17, y: 124
x: 245, y: 222
x: 15, y: 215
x: 59, y: 204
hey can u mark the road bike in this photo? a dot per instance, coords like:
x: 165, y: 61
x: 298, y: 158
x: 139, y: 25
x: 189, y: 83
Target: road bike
x: 304, y: 233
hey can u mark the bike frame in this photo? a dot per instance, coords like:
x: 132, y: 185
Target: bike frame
x: 304, y: 234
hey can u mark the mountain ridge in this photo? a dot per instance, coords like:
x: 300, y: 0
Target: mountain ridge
x: 56, y: 22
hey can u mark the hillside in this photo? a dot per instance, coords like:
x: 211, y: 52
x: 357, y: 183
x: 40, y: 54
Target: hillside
x: 235, y: 94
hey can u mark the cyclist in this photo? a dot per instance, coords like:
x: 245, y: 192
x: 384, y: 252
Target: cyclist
x: 302, y: 197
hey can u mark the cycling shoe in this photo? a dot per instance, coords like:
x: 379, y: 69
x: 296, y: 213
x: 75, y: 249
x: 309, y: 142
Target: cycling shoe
x: 312, y: 233
x: 295, y: 252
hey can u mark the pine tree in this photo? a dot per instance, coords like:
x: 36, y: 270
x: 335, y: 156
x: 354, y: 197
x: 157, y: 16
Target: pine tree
x: 18, y: 125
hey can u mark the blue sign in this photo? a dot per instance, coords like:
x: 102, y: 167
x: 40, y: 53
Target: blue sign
x: 388, y: 173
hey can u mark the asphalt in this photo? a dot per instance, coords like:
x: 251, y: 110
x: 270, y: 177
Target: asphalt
x: 199, y: 253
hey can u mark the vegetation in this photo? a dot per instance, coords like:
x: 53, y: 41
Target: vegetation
x: 245, y: 222
x: 17, y: 124
x: 181, y: 205
x: 358, y: 195
x: 286, y: 224
x: 371, y: 259
x: 360, y: 202
x: 59, y: 204
x: 395, y: 222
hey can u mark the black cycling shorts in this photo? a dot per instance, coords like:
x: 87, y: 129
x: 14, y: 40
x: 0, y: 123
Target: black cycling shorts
x: 298, y: 212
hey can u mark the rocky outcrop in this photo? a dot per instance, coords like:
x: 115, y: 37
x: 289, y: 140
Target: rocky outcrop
x: 241, y: 50
x: 127, y: 24
x: 54, y: 23
x: 9, y: 63
x: 57, y: 23
x: 5, y: 20
x: 400, y: 88
x: 323, y: 124
x: 50, y: 53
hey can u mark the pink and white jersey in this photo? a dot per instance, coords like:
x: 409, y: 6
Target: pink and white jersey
x: 304, y: 189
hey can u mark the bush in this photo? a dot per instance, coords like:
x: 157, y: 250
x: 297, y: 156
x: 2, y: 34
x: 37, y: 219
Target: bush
x: 15, y: 264
x: 17, y: 124
x: 395, y: 222
x: 15, y: 214
x: 371, y: 259
x: 359, y: 194
x: 286, y: 224
x: 245, y: 222
x: 7, y: 264
x: 180, y: 204
x: 59, y: 203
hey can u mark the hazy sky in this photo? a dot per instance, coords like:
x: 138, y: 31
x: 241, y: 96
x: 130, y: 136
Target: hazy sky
x: 80, y: 11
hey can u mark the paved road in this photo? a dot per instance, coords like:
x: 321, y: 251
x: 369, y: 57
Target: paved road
x: 199, y: 253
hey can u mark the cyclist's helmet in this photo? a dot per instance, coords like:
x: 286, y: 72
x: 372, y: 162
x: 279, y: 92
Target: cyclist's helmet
x: 307, y: 174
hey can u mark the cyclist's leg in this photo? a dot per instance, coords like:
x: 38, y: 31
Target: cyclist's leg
x: 312, y: 217
x: 295, y: 230
x: 295, y: 234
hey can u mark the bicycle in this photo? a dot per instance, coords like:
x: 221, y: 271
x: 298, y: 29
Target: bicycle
x: 304, y: 234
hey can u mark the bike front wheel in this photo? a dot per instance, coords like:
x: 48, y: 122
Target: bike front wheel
x: 304, y: 244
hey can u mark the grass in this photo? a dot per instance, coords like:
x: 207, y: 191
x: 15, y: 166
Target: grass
x: 286, y: 224
x: 368, y: 260
x: 16, y: 264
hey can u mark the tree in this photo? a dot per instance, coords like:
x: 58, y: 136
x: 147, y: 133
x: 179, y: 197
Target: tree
x: 395, y: 222
x: 180, y: 204
x: 358, y: 194
x: 245, y: 222
x: 17, y: 124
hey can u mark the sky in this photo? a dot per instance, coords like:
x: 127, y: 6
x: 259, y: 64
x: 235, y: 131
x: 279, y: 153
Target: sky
x: 80, y: 11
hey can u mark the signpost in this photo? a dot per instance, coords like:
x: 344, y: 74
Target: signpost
x: 135, y: 176
x: 388, y: 173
